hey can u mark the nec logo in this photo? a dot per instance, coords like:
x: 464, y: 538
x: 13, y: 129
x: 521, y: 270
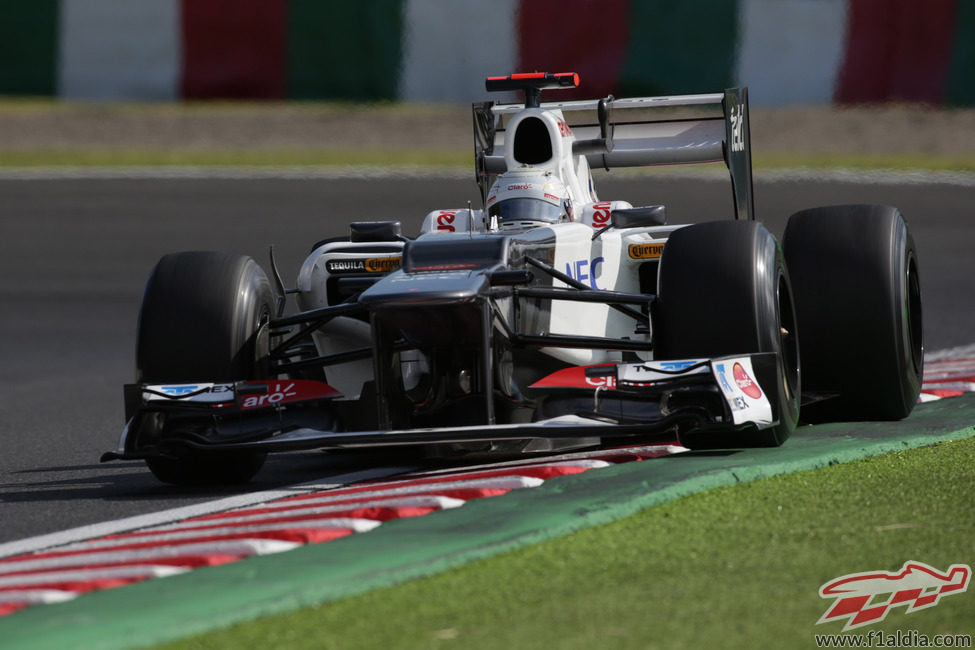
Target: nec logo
x: 584, y: 271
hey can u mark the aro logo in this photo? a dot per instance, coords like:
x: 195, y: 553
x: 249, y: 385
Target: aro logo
x: 277, y: 392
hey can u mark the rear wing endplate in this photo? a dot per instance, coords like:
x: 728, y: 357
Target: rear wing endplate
x: 643, y: 130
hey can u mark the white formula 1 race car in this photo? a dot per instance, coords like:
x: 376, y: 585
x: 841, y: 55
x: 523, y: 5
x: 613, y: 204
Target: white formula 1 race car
x: 547, y: 320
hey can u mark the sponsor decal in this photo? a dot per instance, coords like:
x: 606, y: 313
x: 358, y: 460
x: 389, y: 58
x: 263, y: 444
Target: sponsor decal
x: 363, y: 265
x: 723, y: 379
x: 646, y: 251
x: 207, y: 393
x: 383, y: 264
x: 576, y: 378
x: 676, y: 365
x: 649, y: 372
x: 745, y: 383
x: 177, y: 391
x: 551, y: 197
x: 867, y: 598
x: 583, y: 270
x: 564, y: 129
x: 261, y: 394
x: 446, y: 218
x: 742, y: 394
x: 738, y: 127
x: 521, y: 186
x: 601, y: 214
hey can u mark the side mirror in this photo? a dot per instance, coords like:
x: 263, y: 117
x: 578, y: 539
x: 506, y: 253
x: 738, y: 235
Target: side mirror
x: 604, y: 143
x: 360, y: 231
x: 651, y: 215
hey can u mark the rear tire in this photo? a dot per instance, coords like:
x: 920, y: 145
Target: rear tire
x: 723, y: 289
x: 858, y: 301
x: 203, y: 318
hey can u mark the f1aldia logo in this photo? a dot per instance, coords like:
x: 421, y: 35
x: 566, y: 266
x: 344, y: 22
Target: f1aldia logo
x: 866, y: 598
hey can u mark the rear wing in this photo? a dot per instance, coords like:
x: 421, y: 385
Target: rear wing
x: 640, y: 131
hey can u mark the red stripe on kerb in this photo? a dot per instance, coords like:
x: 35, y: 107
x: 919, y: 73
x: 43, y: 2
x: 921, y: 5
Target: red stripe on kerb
x: 182, y: 561
x: 897, y: 51
x: 116, y: 560
x: 374, y: 514
x: 543, y: 472
x: 464, y: 494
x: 590, y: 38
x: 233, y: 49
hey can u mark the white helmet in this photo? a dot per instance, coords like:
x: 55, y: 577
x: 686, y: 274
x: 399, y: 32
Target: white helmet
x: 527, y: 199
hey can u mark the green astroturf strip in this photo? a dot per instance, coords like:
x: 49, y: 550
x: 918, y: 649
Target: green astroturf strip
x: 460, y: 158
x: 736, y: 567
x: 206, y: 599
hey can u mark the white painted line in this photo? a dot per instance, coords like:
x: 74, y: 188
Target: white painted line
x: 965, y: 386
x: 142, y: 556
x: 365, y: 172
x: 36, y: 596
x: 340, y: 523
x: 233, y: 172
x: 533, y: 463
x: 34, y: 544
x: 495, y: 483
x: 84, y: 575
x: 951, y: 354
x: 426, y: 501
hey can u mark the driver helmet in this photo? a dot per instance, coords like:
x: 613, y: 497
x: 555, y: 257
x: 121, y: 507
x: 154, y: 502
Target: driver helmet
x: 527, y: 200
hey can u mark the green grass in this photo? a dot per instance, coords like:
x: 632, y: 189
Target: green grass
x: 436, y: 158
x: 736, y: 567
x: 224, y: 158
x: 901, y: 161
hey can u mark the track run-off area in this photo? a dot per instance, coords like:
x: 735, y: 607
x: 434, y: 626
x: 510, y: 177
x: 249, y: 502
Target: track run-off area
x: 71, y: 283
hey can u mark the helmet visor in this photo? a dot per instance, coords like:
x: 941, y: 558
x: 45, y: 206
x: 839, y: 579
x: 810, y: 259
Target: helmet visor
x: 526, y: 210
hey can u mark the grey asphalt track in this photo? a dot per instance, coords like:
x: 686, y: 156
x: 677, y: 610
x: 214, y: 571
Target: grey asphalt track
x: 75, y: 254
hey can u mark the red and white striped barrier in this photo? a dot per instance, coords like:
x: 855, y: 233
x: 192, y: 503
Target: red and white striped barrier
x: 948, y: 376
x: 63, y: 572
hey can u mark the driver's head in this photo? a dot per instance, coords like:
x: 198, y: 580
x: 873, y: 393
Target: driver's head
x: 528, y: 199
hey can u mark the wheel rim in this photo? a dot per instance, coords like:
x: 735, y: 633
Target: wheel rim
x: 914, y: 323
x: 788, y: 338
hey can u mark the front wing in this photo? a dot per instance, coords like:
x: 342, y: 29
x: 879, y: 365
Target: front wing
x: 603, y: 403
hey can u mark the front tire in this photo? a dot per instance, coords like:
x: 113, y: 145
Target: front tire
x: 723, y: 289
x: 204, y: 318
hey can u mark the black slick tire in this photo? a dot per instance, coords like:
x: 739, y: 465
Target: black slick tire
x: 854, y: 271
x: 201, y: 320
x: 723, y: 289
